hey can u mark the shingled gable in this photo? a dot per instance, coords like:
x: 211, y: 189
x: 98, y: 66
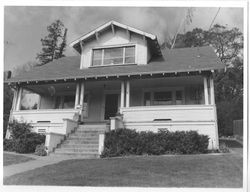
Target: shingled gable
x: 112, y: 25
x: 195, y: 59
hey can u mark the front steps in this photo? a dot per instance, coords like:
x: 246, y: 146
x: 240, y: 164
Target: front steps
x: 84, y: 142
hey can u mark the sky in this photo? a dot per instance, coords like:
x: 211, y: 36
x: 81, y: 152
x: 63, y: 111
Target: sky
x: 24, y: 26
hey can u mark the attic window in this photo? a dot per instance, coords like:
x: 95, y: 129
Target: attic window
x: 114, y: 56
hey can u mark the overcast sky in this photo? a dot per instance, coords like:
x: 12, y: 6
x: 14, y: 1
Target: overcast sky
x: 25, y: 26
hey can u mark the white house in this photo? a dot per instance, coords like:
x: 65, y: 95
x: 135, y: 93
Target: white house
x: 122, y: 70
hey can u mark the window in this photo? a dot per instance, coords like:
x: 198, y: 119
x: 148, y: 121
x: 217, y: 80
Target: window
x: 29, y: 100
x: 178, y: 98
x: 114, y: 56
x: 163, y: 98
x: 69, y: 102
x: 147, y: 98
x: 65, y: 102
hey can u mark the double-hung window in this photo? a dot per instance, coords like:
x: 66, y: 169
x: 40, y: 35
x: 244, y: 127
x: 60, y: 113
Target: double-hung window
x: 113, y: 56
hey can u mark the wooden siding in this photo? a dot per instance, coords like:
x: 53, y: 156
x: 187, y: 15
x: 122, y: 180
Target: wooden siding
x: 173, y: 112
x: 54, y: 116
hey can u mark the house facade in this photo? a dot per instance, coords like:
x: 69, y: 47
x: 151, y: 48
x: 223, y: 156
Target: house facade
x: 120, y: 79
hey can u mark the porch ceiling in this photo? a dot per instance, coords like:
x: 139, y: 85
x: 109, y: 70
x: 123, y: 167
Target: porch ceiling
x: 45, y: 89
x: 173, y: 61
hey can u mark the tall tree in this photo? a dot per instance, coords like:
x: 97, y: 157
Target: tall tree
x: 54, y: 43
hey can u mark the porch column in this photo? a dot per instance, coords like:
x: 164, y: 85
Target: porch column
x: 212, y: 99
x: 82, y: 94
x: 81, y: 101
x: 122, y: 94
x: 14, y: 101
x: 127, y: 93
x: 77, y: 94
x: 205, y: 91
x: 19, y: 94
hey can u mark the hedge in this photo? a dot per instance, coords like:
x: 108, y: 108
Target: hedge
x: 22, y: 139
x: 122, y: 142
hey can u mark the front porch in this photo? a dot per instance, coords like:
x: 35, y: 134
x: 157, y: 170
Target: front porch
x: 175, y: 103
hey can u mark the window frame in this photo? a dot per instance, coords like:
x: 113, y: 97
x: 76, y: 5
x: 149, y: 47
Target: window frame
x: 110, y: 47
x: 164, y: 89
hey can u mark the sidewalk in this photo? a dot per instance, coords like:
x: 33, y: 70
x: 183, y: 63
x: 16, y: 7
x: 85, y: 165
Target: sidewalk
x: 33, y: 164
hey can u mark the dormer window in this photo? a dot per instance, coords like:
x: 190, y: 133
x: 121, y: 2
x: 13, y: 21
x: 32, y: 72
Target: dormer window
x: 113, y: 56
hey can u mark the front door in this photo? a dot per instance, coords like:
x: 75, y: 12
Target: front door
x: 111, y: 105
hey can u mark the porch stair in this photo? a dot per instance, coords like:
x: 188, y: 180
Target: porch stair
x: 84, y: 142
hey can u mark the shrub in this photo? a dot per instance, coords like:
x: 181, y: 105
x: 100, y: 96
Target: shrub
x: 223, y: 148
x: 41, y: 150
x: 129, y: 142
x: 18, y: 129
x: 24, y: 140
x: 8, y: 145
x: 27, y: 143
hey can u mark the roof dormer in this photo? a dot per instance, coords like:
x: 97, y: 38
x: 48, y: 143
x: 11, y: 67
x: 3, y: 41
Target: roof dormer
x: 116, y: 44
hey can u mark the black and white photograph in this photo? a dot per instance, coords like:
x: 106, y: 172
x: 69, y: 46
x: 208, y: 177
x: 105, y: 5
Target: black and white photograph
x: 139, y: 95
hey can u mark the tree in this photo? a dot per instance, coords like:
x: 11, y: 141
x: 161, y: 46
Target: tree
x: 8, y: 97
x: 54, y: 43
x: 228, y: 44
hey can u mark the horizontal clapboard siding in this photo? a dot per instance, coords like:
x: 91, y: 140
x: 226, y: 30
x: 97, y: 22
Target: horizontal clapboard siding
x: 36, y: 116
x: 174, y: 113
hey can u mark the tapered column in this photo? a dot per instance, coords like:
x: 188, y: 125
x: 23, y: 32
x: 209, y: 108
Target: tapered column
x: 122, y: 94
x: 127, y: 94
x: 205, y: 91
x: 212, y: 99
x: 77, y: 95
x: 19, y: 95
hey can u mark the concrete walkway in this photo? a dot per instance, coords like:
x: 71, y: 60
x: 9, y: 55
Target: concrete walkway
x: 32, y: 164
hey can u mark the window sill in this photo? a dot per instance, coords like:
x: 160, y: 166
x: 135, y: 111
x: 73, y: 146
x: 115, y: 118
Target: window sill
x: 113, y: 65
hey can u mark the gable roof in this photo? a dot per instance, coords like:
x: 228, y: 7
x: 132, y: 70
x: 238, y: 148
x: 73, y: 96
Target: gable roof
x: 173, y: 61
x: 152, y: 39
x: 109, y: 24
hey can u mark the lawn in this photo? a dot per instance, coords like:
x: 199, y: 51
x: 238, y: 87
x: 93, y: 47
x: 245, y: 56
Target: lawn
x: 9, y: 159
x: 154, y: 171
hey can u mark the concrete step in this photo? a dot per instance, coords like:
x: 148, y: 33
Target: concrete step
x: 92, y: 129
x: 76, y: 150
x: 83, y: 137
x: 80, y: 141
x: 83, y: 146
x: 76, y: 155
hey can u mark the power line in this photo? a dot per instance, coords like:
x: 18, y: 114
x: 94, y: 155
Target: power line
x: 214, y: 19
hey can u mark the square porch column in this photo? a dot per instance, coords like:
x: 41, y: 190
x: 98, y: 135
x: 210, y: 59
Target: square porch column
x: 14, y: 101
x: 81, y: 100
x: 77, y: 95
x: 212, y: 98
x: 205, y: 90
x: 82, y: 94
x: 127, y: 94
x: 122, y: 94
x: 19, y: 95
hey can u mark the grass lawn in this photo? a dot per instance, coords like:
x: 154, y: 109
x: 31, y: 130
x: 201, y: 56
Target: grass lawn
x: 9, y: 159
x: 147, y: 171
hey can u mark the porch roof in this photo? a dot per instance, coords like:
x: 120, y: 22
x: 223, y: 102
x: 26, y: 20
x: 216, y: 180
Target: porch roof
x: 172, y: 61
